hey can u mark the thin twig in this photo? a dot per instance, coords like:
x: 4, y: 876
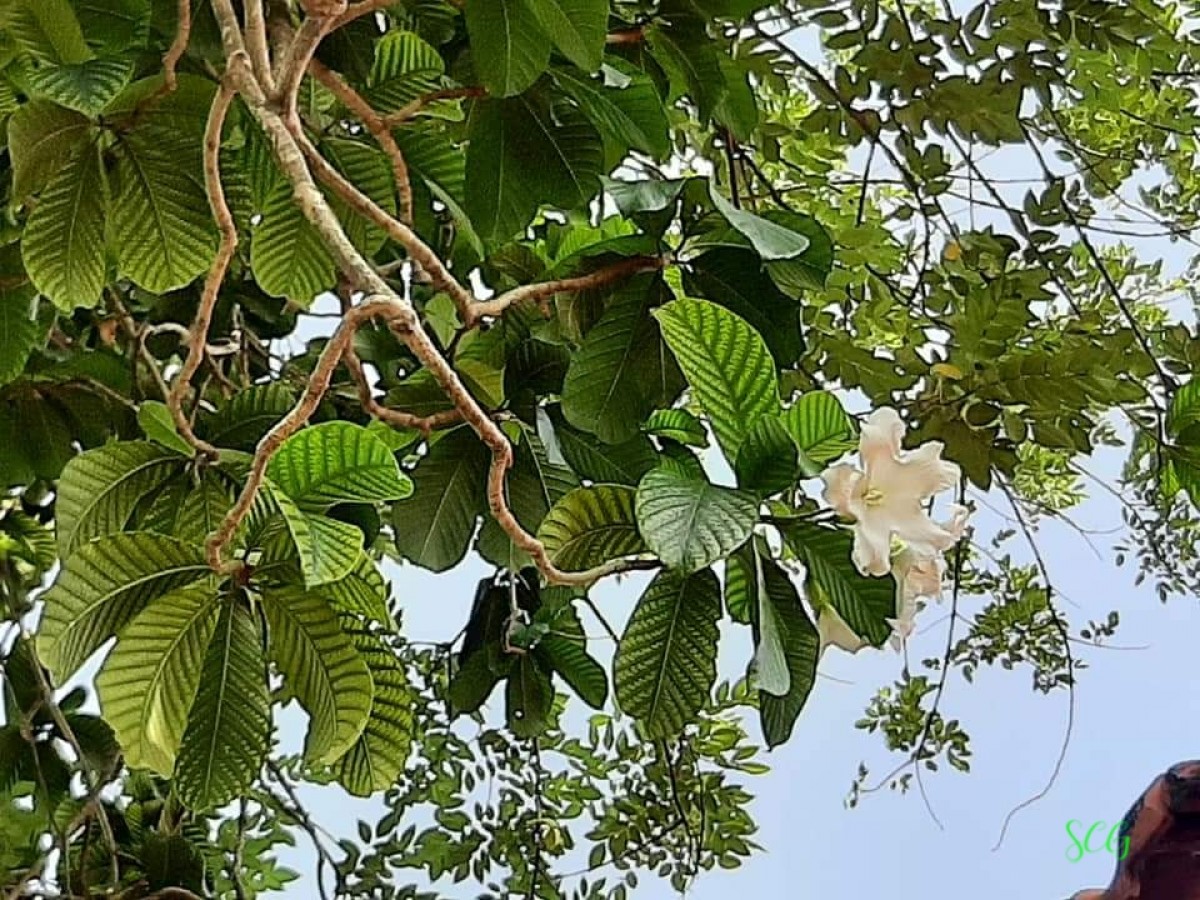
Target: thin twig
x: 178, y: 46
x: 541, y: 292
x: 198, y: 332
x: 256, y: 44
x: 406, y: 112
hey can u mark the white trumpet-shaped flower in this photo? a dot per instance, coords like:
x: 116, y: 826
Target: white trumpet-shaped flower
x: 884, y: 498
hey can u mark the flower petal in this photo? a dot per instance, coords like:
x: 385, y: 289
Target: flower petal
x: 842, y: 484
x: 920, y: 473
x: 916, y: 529
x: 873, y: 544
x: 879, y: 442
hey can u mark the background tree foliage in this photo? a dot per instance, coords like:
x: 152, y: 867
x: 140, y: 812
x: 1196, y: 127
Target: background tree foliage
x: 605, y: 274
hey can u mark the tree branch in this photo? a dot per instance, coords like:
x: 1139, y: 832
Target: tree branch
x: 541, y: 292
x: 256, y: 42
x: 197, y: 338
x: 406, y: 112
x: 379, y: 130
x: 174, y: 54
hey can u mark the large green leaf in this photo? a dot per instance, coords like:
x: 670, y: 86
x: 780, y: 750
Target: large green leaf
x: 666, y: 663
x: 820, y: 427
x: 577, y: 27
x: 727, y: 364
x: 20, y: 331
x: 377, y: 758
x: 328, y: 548
x: 159, y: 221
x: 362, y: 592
x: 472, y: 684
x: 690, y: 523
x: 623, y: 463
x: 242, y: 421
x: 114, y: 25
x: 529, y: 697
x: 99, y: 490
x: 229, y: 726
x: 337, y: 462
x: 622, y: 371
x: 86, y: 87
x: 434, y: 525
x: 369, y: 169
x: 406, y: 67
x: 768, y: 583
x: 523, y: 155
x: 590, y: 526
x: 63, y: 241
x: 46, y: 29
x: 190, y: 508
x: 42, y: 137
x: 801, y: 648
x: 564, y: 650
x: 148, y: 683
x: 103, y: 585
x: 680, y: 42
x: 323, y: 670
x: 863, y: 603
x: 509, y: 48
x: 768, y: 461
x: 771, y: 241
x: 287, y: 254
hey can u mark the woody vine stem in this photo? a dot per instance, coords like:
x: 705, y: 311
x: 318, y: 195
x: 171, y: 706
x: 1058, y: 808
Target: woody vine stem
x: 251, y: 75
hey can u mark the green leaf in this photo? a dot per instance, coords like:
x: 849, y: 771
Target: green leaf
x: 157, y: 424
x: 677, y: 425
x: 666, y: 662
x: 103, y: 585
x: 322, y: 668
x: 529, y: 698
x: 42, y: 137
x: 801, y: 648
x: 770, y: 660
x: 287, y: 254
x: 727, y: 364
x: 434, y: 526
x: 328, y: 548
x: 86, y: 87
x: 114, y: 25
x: 577, y: 27
x: 689, y: 523
x: 472, y: 684
x: 863, y: 603
x: 820, y: 427
x: 63, y: 242
x: 680, y: 42
x: 524, y: 155
x: 623, y: 463
x: 768, y: 461
x: 242, y: 420
x: 20, y: 331
x: 337, y: 462
x: 99, y: 490
x: 509, y: 48
x: 148, y: 683
x: 590, y: 526
x: 405, y: 68
x: 633, y: 197
x: 46, y: 29
x: 810, y: 270
x: 191, y: 508
x: 564, y: 650
x: 368, y: 169
x: 771, y: 241
x: 362, y: 592
x: 160, y: 225
x: 229, y: 726
x: 622, y: 372
x: 377, y: 758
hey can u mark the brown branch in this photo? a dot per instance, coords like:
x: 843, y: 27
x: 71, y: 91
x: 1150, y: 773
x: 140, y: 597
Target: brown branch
x: 256, y: 43
x: 321, y: 19
x: 379, y: 130
x: 394, y: 417
x: 626, y: 36
x: 178, y: 46
x: 291, y: 149
x: 198, y: 332
x: 418, y: 251
x: 358, y: 10
x: 406, y: 112
x: 541, y: 292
